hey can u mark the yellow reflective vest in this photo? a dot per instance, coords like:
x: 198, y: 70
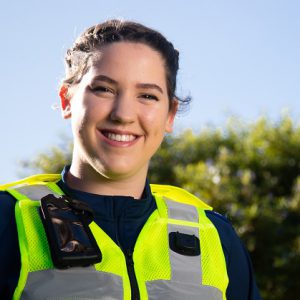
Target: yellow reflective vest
x: 160, y: 272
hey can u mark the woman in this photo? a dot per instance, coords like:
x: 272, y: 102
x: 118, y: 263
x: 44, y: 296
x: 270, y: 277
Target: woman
x: 156, y: 242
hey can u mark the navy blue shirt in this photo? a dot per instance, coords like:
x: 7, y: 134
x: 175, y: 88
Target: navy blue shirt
x: 122, y: 218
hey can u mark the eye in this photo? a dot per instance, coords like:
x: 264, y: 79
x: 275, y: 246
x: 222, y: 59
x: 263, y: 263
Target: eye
x: 149, y: 97
x: 101, y: 89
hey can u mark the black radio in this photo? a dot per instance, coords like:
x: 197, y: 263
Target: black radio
x: 66, y: 222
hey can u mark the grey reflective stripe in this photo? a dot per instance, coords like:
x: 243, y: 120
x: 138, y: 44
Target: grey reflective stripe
x: 186, y: 271
x: 182, y: 211
x: 35, y: 192
x: 185, y: 268
x: 74, y: 283
x: 171, y: 290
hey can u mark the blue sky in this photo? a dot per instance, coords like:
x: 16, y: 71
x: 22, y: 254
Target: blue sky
x: 236, y: 58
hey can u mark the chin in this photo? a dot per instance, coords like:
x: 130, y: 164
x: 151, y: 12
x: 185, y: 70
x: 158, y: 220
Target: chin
x: 113, y: 172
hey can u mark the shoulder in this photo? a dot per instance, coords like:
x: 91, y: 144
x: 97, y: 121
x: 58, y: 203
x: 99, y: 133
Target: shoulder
x: 177, y: 194
x: 7, y: 210
x: 7, y: 218
x: 242, y: 284
x: 217, y: 217
x: 31, y: 180
x: 9, y: 250
x: 227, y: 234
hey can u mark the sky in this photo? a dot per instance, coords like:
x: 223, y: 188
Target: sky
x: 237, y: 58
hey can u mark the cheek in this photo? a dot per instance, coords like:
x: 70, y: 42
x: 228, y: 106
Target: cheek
x: 78, y: 128
x: 81, y: 117
x: 83, y: 111
x: 155, y: 120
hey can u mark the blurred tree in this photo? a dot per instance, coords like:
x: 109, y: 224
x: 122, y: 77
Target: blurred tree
x: 51, y: 161
x: 250, y: 173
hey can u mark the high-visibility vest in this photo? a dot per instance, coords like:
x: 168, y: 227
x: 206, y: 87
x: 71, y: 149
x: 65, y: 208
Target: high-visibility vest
x: 160, y: 272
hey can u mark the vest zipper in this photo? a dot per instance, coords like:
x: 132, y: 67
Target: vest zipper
x: 135, y: 293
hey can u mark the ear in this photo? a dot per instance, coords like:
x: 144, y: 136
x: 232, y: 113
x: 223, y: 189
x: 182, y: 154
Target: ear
x: 171, y: 115
x: 65, y: 102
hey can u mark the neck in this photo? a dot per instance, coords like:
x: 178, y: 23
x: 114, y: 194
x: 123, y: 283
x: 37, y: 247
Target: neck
x: 93, y: 182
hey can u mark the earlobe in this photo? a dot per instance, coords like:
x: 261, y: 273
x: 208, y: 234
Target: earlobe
x: 171, y: 116
x: 65, y: 102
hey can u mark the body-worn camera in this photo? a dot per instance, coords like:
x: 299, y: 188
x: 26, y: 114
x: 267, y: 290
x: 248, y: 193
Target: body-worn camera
x: 66, y: 222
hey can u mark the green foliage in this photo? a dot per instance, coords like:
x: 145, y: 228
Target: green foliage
x: 50, y: 162
x: 250, y: 173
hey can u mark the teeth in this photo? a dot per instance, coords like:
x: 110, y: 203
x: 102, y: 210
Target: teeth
x: 121, y: 137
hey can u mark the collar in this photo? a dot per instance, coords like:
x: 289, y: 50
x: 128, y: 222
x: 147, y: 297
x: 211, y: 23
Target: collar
x: 145, y: 195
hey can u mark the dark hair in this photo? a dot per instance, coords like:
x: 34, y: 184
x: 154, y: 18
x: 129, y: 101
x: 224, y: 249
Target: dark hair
x: 112, y: 31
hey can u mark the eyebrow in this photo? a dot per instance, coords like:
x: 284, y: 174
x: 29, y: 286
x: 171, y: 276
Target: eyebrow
x: 138, y: 85
x: 105, y: 78
x: 150, y: 86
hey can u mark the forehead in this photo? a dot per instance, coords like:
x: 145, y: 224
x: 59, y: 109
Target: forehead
x: 126, y: 46
x: 128, y: 59
x: 127, y: 63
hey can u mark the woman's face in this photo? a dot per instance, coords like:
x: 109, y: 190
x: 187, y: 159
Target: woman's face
x: 120, y: 111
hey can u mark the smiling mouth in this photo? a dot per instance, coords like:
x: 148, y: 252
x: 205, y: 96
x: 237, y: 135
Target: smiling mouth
x: 119, y: 137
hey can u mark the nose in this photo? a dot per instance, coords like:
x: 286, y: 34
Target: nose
x: 123, y: 110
